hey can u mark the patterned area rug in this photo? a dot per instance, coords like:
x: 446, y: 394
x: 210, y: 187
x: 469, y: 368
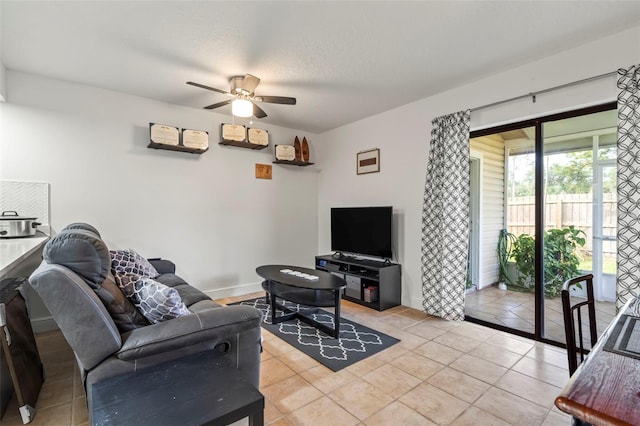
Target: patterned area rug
x: 356, y: 341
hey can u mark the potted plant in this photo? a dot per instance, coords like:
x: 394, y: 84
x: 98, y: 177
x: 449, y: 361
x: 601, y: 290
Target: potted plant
x: 560, y: 258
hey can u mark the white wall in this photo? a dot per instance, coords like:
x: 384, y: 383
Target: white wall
x: 206, y: 212
x: 403, y: 138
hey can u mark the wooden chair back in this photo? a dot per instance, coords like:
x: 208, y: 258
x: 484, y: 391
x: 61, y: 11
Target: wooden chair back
x: 573, y: 314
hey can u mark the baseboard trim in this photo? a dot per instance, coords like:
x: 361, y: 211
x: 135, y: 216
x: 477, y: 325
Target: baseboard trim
x: 237, y: 290
x: 40, y: 325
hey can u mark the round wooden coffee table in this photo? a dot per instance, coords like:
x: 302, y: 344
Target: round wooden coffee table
x: 304, y: 286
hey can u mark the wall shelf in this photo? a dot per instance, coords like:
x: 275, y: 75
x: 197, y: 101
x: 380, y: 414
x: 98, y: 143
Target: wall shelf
x: 242, y: 144
x: 293, y: 163
x: 179, y: 148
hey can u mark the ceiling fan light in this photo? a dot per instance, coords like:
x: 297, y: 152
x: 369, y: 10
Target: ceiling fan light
x: 242, y: 108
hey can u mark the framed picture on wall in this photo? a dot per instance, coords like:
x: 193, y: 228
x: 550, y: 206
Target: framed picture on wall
x: 368, y: 161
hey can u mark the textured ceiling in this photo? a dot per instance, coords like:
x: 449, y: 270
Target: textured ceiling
x: 343, y: 61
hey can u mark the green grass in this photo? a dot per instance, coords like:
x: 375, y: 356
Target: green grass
x: 609, y: 266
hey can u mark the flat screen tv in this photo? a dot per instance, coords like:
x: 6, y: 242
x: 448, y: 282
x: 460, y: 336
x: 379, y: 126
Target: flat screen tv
x: 362, y: 230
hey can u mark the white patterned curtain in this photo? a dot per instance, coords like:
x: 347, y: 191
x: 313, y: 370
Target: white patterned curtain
x: 628, y: 185
x: 445, y: 218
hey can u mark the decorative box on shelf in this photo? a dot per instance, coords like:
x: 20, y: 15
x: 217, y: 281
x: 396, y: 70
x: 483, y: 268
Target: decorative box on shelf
x: 195, y: 139
x: 286, y: 154
x: 258, y: 136
x: 162, y: 136
x: 236, y: 135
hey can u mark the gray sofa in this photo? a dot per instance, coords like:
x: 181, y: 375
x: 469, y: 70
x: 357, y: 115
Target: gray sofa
x: 107, y: 333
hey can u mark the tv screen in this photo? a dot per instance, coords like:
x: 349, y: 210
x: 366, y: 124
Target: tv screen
x: 362, y: 230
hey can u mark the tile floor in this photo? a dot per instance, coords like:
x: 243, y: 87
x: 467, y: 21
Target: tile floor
x: 441, y: 373
x: 516, y: 310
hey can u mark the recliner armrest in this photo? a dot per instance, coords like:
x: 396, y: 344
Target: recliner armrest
x: 215, y: 325
x: 163, y: 266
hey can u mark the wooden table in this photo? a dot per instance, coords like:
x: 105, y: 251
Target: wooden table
x: 605, y: 389
x: 326, y: 290
x: 194, y: 390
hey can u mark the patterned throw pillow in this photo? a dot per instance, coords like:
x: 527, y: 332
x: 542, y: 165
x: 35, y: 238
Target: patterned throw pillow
x: 127, y: 283
x: 129, y: 261
x: 157, y: 302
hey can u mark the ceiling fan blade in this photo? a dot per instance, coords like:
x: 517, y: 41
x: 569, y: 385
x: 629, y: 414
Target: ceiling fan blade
x: 250, y: 82
x: 219, y: 104
x: 277, y: 100
x: 258, y: 112
x: 202, y: 86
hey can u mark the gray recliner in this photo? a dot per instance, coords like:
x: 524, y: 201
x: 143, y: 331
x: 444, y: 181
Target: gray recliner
x: 108, y: 334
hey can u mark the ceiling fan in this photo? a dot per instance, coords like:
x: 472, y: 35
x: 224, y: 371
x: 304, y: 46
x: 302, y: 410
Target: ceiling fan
x: 243, y: 102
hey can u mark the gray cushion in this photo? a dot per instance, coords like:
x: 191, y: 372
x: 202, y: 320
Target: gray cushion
x: 204, y: 305
x: 82, y: 252
x: 163, y: 266
x: 188, y: 294
x: 81, y: 226
x: 78, y: 311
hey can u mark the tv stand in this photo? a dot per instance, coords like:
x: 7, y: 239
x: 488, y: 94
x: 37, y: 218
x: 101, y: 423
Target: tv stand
x: 371, y: 283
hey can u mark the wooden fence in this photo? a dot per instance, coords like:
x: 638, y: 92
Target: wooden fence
x: 564, y: 210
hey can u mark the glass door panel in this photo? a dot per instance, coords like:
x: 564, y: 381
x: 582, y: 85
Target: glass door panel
x: 567, y: 197
x: 503, y: 183
x: 579, y: 217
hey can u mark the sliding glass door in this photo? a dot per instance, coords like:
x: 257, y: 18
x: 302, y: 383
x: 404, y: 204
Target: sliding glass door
x: 545, y: 194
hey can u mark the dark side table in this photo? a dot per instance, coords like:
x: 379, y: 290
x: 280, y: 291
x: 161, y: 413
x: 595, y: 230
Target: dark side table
x: 194, y: 390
